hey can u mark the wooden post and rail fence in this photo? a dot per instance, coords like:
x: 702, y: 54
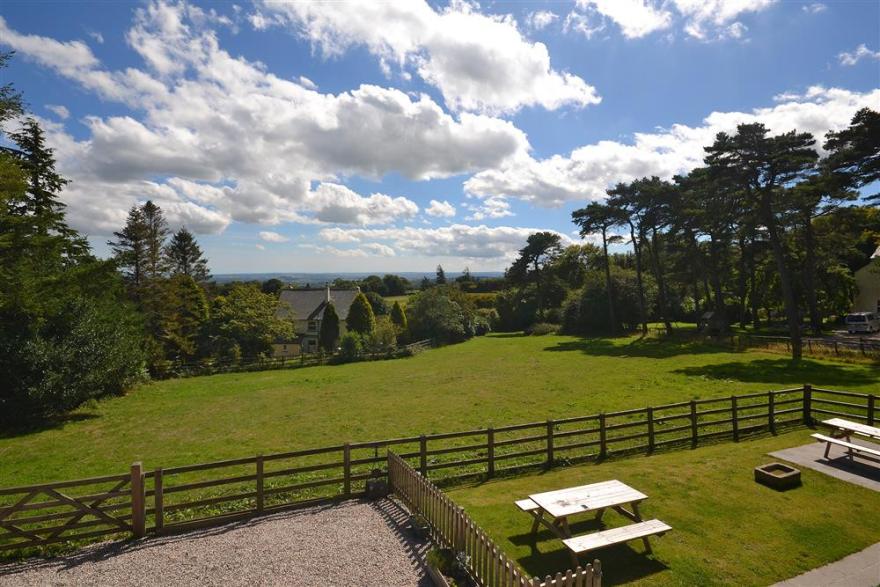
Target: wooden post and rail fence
x: 168, y: 499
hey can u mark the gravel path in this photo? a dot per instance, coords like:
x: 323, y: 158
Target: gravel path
x: 355, y: 543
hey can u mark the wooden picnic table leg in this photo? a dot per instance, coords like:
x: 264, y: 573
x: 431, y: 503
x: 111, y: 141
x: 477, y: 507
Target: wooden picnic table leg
x: 827, y: 449
x: 539, y: 517
x: 565, y: 528
x: 599, y: 514
x: 638, y: 518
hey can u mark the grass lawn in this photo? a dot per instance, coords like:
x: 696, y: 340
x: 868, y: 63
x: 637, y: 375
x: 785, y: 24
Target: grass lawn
x: 494, y: 380
x: 727, y: 529
x: 391, y: 299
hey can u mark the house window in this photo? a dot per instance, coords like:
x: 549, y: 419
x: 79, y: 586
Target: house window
x: 313, y: 325
x: 284, y: 347
x: 878, y: 306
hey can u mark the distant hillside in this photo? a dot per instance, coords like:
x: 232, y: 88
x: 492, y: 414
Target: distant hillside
x: 322, y: 278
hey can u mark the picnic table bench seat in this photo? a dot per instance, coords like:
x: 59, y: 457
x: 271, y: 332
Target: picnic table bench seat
x: 527, y: 505
x: 850, y: 446
x: 587, y: 542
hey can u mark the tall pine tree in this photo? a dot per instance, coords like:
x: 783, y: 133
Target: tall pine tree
x: 130, y: 248
x: 184, y: 256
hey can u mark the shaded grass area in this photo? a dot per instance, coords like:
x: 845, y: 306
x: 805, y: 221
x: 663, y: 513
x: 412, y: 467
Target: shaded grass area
x: 727, y: 529
x: 495, y: 380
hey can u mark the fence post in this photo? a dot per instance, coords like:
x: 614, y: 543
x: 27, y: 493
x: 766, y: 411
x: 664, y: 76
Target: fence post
x: 490, y: 451
x: 734, y: 413
x: 771, y: 412
x: 138, y: 505
x: 159, y: 505
x: 694, y: 433
x: 423, y: 456
x: 872, y: 401
x: 603, y: 440
x: 259, y: 483
x: 808, y: 404
x: 549, y: 443
x: 650, y: 429
x: 346, y: 469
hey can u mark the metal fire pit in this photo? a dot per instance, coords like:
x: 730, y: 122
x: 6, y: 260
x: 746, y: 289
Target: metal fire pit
x: 779, y: 476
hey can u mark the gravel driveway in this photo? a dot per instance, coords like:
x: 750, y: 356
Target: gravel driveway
x: 355, y: 543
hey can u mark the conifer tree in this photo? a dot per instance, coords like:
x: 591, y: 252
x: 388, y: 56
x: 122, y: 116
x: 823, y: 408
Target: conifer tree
x: 329, y: 335
x: 130, y: 248
x: 184, y: 256
x: 360, y: 316
x: 398, y: 317
x: 157, y: 232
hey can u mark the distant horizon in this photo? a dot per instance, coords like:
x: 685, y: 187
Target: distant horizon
x: 329, y: 276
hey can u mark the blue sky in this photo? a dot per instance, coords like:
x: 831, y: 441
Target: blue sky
x: 385, y: 136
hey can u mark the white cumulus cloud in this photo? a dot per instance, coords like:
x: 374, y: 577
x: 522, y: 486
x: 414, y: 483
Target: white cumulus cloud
x: 589, y: 170
x: 479, y: 62
x: 440, y: 209
x: 237, y: 143
x: 273, y: 237
x: 860, y: 52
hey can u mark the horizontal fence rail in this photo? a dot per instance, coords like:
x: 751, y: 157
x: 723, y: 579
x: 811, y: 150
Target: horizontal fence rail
x: 451, y: 527
x: 852, y: 348
x: 184, y: 497
x: 171, y: 369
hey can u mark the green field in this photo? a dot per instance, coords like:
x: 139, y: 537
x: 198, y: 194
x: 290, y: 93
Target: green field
x: 727, y: 529
x: 494, y: 380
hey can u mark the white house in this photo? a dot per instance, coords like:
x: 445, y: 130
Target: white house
x: 868, y: 282
x: 307, y: 306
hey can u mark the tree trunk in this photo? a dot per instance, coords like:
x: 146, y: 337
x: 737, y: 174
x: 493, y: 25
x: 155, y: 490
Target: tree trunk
x: 661, y: 282
x: 612, y: 321
x: 788, y: 297
x: 720, y: 317
x: 741, y: 281
x: 810, y: 277
x: 637, y: 250
x: 754, y: 293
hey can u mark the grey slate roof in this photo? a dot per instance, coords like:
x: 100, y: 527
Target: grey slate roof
x: 309, y: 304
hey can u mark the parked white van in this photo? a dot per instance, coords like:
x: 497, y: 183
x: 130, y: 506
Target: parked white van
x: 862, y: 322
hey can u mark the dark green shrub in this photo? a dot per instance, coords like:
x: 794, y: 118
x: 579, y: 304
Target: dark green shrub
x: 350, y: 347
x: 541, y: 329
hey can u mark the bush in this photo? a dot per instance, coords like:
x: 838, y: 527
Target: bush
x: 91, y: 348
x: 350, y: 347
x: 442, y: 313
x: 541, y: 329
x: 586, y: 312
x: 383, y: 339
x: 377, y: 303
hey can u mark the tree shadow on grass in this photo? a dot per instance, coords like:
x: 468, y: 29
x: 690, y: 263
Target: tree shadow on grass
x: 14, y: 429
x: 640, y: 347
x: 786, y: 372
x: 620, y: 564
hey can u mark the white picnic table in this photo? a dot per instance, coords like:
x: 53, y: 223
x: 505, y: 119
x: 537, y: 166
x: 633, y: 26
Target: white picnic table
x: 842, y: 431
x: 595, y: 498
x: 845, y: 428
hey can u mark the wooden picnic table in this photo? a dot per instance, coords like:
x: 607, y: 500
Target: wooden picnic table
x: 559, y: 505
x: 597, y: 497
x: 845, y: 428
